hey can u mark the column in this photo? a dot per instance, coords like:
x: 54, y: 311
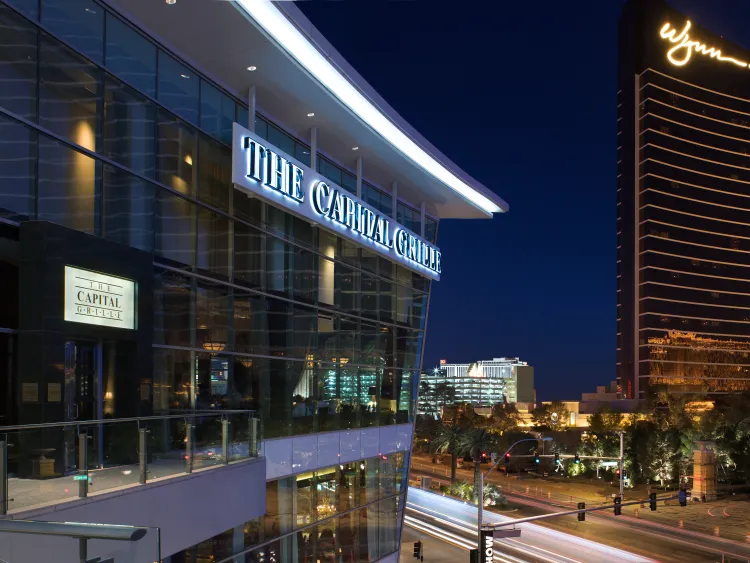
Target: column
x: 359, y: 177
x: 314, y: 148
x: 251, y: 108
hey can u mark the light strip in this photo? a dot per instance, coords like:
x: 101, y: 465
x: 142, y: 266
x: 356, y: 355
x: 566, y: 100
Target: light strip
x: 275, y: 23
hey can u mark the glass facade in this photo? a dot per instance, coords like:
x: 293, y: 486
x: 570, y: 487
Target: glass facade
x: 348, y: 512
x: 105, y: 132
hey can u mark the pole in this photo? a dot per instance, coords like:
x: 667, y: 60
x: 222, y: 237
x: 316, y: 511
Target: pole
x: 83, y: 549
x: 142, y: 458
x: 83, y: 472
x: 3, y: 478
x: 622, y: 468
x: 480, y: 507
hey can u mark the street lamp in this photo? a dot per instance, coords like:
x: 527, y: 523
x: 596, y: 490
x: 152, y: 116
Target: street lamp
x: 480, y: 500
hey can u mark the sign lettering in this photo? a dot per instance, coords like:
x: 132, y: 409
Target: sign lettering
x: 684, y: 47
x: 98, y: 299
x: 267, y: 172
x: 488, y: 546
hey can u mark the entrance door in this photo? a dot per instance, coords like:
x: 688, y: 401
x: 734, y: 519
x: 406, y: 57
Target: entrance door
x: 82, y: 393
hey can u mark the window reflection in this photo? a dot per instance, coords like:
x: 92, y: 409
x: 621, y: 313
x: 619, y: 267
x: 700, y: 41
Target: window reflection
x: 18, y: 64
x: 176, y: 154
x: 130, y: 56
x: 178, y: 87
x: 128, y: 209
x: 69, y: 93
x: 77, y: 22
x: 17, y: 169
x: 215, y: 173
x: 217, y: 113
x: 174, y: 228
x: 67, y: 186
x: 173, y: 307
x: 213, y: 243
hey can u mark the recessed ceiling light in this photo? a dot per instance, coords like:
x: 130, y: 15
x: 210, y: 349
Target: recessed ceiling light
x: 355, y: 148
x: 90, y: 11
x: 311, y: 114
x: 184, y: 76
x: 252, y: 68
x: 170, y: 2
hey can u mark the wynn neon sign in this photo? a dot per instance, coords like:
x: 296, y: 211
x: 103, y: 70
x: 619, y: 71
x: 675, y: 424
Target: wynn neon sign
x: 684, y: 47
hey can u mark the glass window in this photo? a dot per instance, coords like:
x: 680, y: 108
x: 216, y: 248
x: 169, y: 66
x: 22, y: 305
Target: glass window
x: 369, y: 296
x: 80, y: 23
x: 214, y: 173
x: 326, y: 267
x: 128, y: 209
x: 280, y: 140
x: 176, y: 154
x: 248, y: 255
x: 248, y: 207
x: 278, y: 264
x: 217, y: 113
x: 18, y: 64
x: 174, y: 229
x: 173, y: 306
x: 243, y: 115
x: 261, y: 126
x: 129, y: 124
x: 349, y: 182
x: 178, y: 87
x: 250, y: 324
x: 302, y: 153
x: 69, y: 94
x: 27, y: 7
x: 430, y: 229
x: 67, y: 186
x: 130, y: 55
x: 17, y: 169
x: 386, y: 204
x: 173, y: 389
x: 213, y: 243
x: 213, y: 312
x: 347, y: 289
x: 329, y: 170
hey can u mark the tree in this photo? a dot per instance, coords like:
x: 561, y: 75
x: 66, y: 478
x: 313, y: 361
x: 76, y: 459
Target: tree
x: 475, y: 443
x: 504, y: 418
x: 461, y: 414
x: 551, y: 416
x: 605, y: 421
x: 450, y: 440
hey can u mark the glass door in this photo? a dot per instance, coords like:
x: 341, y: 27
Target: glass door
x: 82, y: 393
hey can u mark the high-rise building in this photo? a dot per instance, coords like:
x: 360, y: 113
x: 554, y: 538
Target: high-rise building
x: 482, y: 383
x: 217, y: 245
x: 683, y: 206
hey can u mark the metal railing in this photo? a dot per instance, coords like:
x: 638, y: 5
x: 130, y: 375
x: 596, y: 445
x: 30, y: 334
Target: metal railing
x: 54, y: 462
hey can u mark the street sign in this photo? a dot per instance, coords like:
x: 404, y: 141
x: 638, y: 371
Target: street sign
x: 80, y: 477
x: 487, y: 553
x: 514, y: 533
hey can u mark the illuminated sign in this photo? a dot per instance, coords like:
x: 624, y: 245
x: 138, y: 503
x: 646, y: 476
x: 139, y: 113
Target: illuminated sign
x: 488, y: 546
x: 684, y: 47
x: 443, y: 362
x: 267, y: 172
x: 98, y: 299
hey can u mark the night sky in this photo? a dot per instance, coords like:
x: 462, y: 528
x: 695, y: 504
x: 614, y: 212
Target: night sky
x: 521, y: 95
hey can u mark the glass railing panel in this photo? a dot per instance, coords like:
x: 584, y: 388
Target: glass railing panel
x: 42, y: 466
x: 113, y: 454
x: 207, y: 450
x: 167, y: 447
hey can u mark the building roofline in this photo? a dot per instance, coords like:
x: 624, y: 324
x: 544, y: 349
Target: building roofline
x: 295, y: 34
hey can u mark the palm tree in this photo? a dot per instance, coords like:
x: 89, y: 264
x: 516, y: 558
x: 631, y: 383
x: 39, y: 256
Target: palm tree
x: 450, y: 440
x: 475, y: 443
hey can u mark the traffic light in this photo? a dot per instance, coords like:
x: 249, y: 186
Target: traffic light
x: 484, y: 456
x: 507, y: 459
x: 418, y: 549
x: 652, y: 501
x: 557, y: 458
x: 618, y: 508
x: 581, y: 515
x: 577, y: 459
x: 536, y: 459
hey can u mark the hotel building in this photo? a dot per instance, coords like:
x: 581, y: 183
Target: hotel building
x: 203, y: 210
x: 483, y: 383
x: 683, y: 206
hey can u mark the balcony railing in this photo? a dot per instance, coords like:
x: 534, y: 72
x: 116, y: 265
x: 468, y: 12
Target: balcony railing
x: 42, y: 464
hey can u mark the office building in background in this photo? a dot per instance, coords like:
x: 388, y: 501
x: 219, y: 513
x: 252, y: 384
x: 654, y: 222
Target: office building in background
x: 683, y: 209
x: 204, y: 208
